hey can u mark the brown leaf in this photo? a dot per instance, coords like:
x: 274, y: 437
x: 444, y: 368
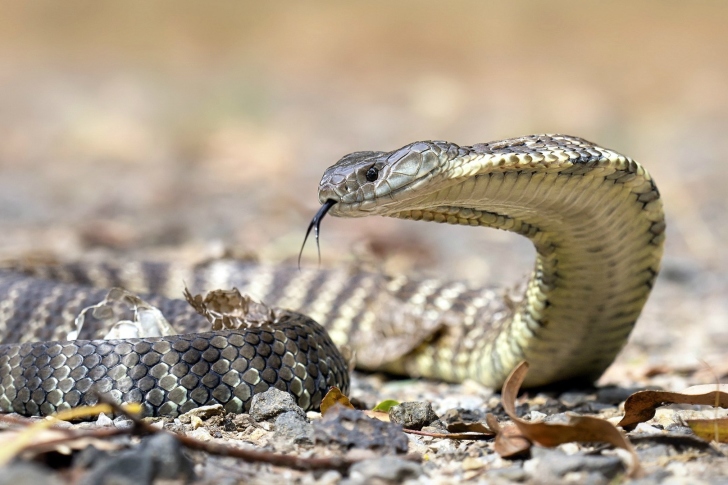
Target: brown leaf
x: 334, y: 396
x: 579, y: 428
x: 380, y: 415
x: 641, y: 406
x: 509, y: 442
x: 710, y: 429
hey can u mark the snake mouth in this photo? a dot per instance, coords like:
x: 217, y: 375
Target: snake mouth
x: 315, y: 224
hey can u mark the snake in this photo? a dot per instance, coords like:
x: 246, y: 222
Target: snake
x: 594, y: 216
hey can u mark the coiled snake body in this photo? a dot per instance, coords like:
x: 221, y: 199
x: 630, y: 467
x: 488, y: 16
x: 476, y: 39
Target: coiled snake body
x: 594, y: 216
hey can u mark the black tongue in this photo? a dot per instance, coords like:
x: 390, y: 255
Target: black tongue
x: 315, y: 224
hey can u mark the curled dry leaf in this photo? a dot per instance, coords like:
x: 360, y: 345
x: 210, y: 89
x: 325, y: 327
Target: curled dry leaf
x: 579, y: 428
x: 334, y: 396
x: 509, y: 442
x: 641, y: 406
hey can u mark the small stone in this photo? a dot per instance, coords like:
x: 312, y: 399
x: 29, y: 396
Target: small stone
x: 615, y: 395
x: 158, y: 457
x: 509, y: 474
x: 256, y: 434
x: 413, y: 415
x: 569, y: 448
x: 350, y: 428
x: 21, y: 473
x: 572, y: 399
x: 560, y: 418
x: 271, y: 403
x: 537, y: 416
x: 655, y: 452
x: 169, y: 459
x: 472, y: 463
x: 200, y: 434
x: 123, y: 423
x: 128, y: 468
x: 88, y: 457
x: 436, y: 427
x: 242, y: 422
x: 104, y: 420
x: 388, y: 469
x: 293, y: 429
x: 202, y: 413
x: 331, y: 477
x: 555, y: 463
x: 646, y: 429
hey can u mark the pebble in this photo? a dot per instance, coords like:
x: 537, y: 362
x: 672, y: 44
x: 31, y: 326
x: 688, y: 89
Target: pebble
x: 291, y: 427
x: 158, y: 457
x: 202, y: 413
x: 200, y: 434
x: 538, y: 416
x: 123, y: 423
x: 614, y: 394
x: 387, y: 469
x: 349, y: 428
x: 556, y: 464
x: 169, y: 460
x: 646, y: 429
x: 24, y: 473
x: 271, y: 403
x: 572, y: 399
x: 413, y: 415
x: 104, y: 420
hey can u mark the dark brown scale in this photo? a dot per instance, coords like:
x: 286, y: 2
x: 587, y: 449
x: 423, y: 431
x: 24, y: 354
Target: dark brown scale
x: 168, y: 375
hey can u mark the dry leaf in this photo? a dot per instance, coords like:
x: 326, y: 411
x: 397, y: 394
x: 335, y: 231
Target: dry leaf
x: 380, y: 415
x: 509, y: 442
x: 30, y: 434
x: 579, y: 428
x: 334, y: 396
x: 641, y: 406
x: 61, y: 441
x: 710, y: 429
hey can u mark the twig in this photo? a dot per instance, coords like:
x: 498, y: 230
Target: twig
x: 76, y: 435
x: 452, y: 436
x: 289, y: 461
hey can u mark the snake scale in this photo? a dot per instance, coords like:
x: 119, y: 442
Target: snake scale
x: 594, y: 216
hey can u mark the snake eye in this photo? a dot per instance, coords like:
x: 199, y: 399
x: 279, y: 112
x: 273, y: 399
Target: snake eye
x: 372, y: 174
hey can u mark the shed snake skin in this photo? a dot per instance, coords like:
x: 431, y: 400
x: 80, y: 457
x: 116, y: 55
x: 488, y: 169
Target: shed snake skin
x: 594, y: 216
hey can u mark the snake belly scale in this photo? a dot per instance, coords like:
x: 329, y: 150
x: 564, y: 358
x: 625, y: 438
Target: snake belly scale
x: 594, y: 216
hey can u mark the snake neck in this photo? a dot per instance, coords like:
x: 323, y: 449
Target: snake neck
x: 598, y: 228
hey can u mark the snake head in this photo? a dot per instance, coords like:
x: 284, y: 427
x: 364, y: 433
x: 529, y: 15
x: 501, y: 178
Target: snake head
x: 367, y: 183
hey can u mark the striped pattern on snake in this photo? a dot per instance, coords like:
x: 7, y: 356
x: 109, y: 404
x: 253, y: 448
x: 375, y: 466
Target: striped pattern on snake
x: 594, y: 216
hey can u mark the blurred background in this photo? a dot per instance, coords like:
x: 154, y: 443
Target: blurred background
x: 157, y: 128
